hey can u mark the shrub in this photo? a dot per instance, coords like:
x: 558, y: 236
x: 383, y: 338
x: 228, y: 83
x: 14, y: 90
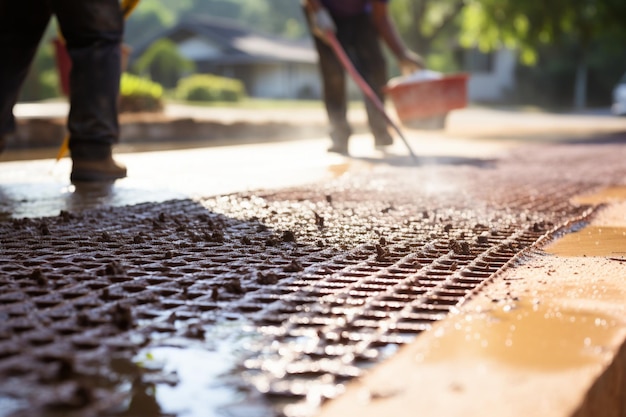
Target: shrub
x: 163, y: 63
x: 207, y: 87
x: 139, y: 94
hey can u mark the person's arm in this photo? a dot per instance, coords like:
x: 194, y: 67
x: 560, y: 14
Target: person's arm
x: 409, y: 61
x: 312, y: 6
x: 320, y: 19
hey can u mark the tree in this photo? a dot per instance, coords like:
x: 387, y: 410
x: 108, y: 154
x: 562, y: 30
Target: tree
x: 528, y: 24
x: 423, y: 22
x: 431, y: 28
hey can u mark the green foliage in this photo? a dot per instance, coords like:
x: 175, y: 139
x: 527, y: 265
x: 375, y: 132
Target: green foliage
x: 528, y: 24
x: 427, y: 25
x: 148, y: 19
x: 163, y: 63
x: 206, y: 87
x: 42, y: 81
x: 139, y: 94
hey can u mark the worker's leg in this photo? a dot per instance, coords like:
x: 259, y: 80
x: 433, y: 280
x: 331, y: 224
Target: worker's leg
x: 334, y: 95
x: 370, y: 62
x: 22, y: 24
x: 93, y: 31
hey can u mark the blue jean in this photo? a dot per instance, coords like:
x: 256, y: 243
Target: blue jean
x: 93, y: 31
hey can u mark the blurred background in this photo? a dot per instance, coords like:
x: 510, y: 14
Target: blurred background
x: 556, y: 55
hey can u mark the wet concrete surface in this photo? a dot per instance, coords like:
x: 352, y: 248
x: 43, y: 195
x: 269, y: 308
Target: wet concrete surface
x: 286, y: 271
x: 547, y: 337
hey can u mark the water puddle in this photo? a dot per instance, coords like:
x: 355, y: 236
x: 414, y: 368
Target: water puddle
x: 200, y: 380
x: 9, y: 405
x: 606, y: 195
x: 526, y: 335
x: 339, y: 169
x: 606, y: 238
x: 194, y: 388
x: 591, y: 241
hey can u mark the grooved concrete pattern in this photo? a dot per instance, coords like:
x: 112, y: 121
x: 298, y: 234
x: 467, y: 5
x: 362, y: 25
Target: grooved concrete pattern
x: 271, y: 301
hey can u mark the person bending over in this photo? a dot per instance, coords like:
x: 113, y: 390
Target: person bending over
x: 358, y: 25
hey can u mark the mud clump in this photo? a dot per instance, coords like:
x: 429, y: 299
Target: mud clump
x: 38, y: 276
x: 381, y: 253
x: 482, y: 239
x: 218, y: 237
x: 266, y: 279
x: 114, y: 269
x: 460, y: 247
x: 294, y: 266
x: 43, y: 229
x: 541, y: 227
x: 319, y: 220
x: 106, y: 237
x: 234, y: 287
x: 195, y: 331
x: 288, y: 236
x: 71, y: 396
x: 122, y: 317
x: 66, y: 216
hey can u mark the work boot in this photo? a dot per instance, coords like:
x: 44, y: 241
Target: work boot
x: 340, y: 148
x: 382, y: 140
x: 339, y: 137
x: 97, y: 170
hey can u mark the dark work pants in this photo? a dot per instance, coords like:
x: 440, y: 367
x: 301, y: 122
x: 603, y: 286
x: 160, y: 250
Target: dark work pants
x: 358, y: 37
x: 93, y: 31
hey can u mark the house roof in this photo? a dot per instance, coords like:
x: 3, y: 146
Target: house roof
x: 235, y: 43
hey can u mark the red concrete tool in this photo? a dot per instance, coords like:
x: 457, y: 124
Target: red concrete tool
x: 364, y: 86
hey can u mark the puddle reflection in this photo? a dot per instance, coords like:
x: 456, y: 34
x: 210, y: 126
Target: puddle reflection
x: 198, y: 390
x: 591, y: 241
x: 196, y: 381
x: 528, y: 336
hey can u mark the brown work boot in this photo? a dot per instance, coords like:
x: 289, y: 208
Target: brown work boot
x: 97, y: 170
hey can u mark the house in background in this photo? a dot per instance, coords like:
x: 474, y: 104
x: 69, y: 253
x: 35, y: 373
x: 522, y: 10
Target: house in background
x: 492, y: 74
x: 269, y: 66
x: 274, y: 67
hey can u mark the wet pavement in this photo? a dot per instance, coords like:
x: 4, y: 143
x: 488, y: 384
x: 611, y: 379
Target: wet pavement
x: 280, y: 271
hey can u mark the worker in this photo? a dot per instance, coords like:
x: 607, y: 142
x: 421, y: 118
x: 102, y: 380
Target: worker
x: 358, y: 26
x: 93, y: 31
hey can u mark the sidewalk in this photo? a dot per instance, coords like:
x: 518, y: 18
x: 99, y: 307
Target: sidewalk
x: 42, y: 125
